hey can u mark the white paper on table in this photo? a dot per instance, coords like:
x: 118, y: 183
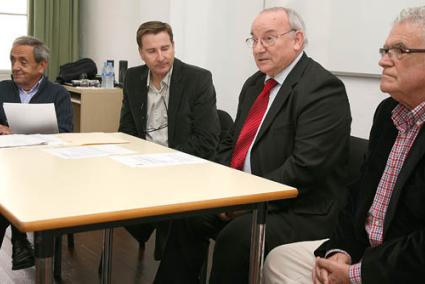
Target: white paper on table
x: 48, y: 139
x: 81, y: 152
x: 92, y: 138
x: 18, y: 140
x: 155, y: 160
x: 31, y: 118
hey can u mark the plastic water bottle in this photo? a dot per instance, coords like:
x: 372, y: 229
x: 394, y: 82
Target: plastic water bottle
x: 109, y: 76
x: 103, y: 85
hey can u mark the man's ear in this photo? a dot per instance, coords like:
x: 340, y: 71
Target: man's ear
x: 299, y: 40
x: 140, y: 53
x: 43, y: 66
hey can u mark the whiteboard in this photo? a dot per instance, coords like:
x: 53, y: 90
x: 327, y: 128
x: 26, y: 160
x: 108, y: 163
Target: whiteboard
x: 345, y: 35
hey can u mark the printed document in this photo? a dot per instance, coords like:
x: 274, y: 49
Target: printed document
x: 31, y: 118
x: 155, y: 160
x: 81, y: 152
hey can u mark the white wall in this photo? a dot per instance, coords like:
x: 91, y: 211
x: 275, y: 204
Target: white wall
x: 364, y: 96
x: 208, y: 33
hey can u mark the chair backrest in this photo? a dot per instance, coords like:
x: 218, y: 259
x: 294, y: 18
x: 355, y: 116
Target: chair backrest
x: 226, y: 122
x: 358, y: 150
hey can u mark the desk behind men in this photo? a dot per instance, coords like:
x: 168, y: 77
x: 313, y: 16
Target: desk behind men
x: 95, y: 109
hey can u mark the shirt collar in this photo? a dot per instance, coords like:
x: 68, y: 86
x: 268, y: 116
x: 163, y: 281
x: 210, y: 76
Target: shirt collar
x: 405, y: 119
x: 164, y: 82
x: 280, y: 77
x: 34, y: 88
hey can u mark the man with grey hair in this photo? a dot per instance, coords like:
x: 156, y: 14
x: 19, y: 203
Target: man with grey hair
x: 292, y: 127
x: 380, y: 237
x: 29, y: 59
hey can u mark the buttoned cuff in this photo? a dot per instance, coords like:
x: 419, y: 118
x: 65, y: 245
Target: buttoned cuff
x: 355, y: 273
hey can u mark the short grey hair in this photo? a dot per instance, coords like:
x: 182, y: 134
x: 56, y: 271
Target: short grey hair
x: 414, y: 15
x: 296, y: 22
x: 41, y: 51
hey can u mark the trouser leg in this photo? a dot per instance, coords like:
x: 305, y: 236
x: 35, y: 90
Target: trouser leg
x: 291, y: 263
x: 17, y: 235
x: 4, y: 223
x: 141, y: 232
x: 186, y: 249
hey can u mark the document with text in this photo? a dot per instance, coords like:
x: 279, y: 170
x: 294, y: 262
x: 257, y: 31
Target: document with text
x: 81, y: 152
x: 157, y: 160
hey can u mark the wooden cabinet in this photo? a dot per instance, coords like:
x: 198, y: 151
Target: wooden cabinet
x: 96, y: 109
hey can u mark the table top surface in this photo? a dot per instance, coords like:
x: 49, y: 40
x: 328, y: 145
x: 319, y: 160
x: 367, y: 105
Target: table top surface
x: 40, y: 191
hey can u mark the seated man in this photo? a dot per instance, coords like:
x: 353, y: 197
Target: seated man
x: 29, y: 58
x: 292, y: 127
x: 380, y: 237
x: 168, y: 102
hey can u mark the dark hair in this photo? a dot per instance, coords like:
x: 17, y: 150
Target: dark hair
x: 41, y: 51
x: 153, y: 27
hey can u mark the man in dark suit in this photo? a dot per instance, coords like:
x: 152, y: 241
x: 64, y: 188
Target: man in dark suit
x: 168, y: 102
x: 300, y: 138
x: 380, y: 237
x: 29, y: 60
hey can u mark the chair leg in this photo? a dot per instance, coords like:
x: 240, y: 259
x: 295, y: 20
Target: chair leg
x: 203, y: 274
x: 57, y: 262
x: 70, y: 240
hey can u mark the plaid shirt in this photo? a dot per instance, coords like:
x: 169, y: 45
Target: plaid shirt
x: 408, y: 123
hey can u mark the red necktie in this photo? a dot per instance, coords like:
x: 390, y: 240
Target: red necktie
x: 251, y: 125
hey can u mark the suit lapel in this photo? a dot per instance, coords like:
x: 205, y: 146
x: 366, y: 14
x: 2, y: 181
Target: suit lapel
x: 282, y: 96
x: 176, y: 91
x: 416, y: 154
x: 140, y: 102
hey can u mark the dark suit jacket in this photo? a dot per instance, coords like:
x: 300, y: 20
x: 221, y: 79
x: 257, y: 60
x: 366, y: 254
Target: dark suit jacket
x: 401, y: 257
x: 48, y: 93
x: 303, y: 142
x: 193, y: 125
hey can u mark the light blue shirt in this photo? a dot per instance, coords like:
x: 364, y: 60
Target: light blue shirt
x: 279, y: 78
x: 26, y: 96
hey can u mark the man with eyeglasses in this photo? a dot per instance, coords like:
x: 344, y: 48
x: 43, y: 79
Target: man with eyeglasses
x: 170, y: 103
x: 380, y: 237
x: 292, y: 127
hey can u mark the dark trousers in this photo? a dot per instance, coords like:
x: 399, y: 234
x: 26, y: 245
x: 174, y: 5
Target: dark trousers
x: 186, y: 248
x: 17, y: 235
x: 141, y: 232
x: 188, y: 242
x: 4, y: 223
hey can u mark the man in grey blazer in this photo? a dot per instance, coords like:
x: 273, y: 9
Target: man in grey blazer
x: 168, y: 102
x: 302, y: 141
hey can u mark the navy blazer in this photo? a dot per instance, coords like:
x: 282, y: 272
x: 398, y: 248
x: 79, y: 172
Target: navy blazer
x: 401, y: 257
x: 48, y: 92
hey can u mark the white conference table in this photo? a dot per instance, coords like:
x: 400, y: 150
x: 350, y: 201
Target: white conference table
x: 50, y: 196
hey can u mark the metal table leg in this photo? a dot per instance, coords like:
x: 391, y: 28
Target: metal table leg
x: 107, y: 256
x: 257, y: 243
x: 44, y: 247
